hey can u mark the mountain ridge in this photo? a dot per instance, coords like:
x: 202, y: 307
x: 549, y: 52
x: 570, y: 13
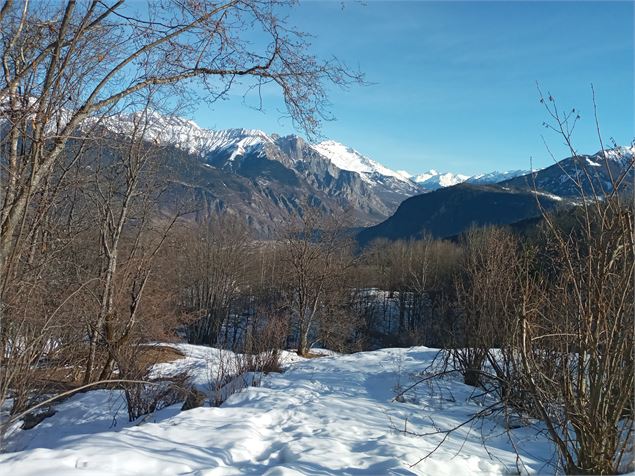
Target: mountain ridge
x: 449, y: 211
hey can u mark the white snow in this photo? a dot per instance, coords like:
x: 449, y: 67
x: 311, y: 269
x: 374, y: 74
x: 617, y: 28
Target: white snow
x: 619, y: 153
x: 329, y: 415
x: 426, y: 175
x: 548, y: 195
x: 405, y: 174
x: 496, y: 176
x: 432, y: 179
x: 189, y: 136
x: 346, y: 158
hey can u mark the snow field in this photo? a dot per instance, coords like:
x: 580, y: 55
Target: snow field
x: 329, y: 415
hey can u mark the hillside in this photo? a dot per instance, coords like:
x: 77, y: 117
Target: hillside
x: 582, y: 174
x: 449, y: 211
x: 264, y: 179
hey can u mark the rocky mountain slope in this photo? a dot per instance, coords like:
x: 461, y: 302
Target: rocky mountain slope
x: 582, y: 174
x: 266, y: 178
x: 449, y: 211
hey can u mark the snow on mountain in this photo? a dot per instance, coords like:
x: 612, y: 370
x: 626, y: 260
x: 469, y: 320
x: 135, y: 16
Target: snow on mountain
x: 189, y: 136
x: 425, y: 176
x: 405, y: 174
x: 582, y: 174
x: 349, y: 159
x: 433, y: 180
x: 496, y: 176
x: 620, y: 154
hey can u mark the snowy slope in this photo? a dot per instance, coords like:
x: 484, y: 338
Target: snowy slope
x: 347, y: 158
x: 328, y: 415
x: 189, y: 136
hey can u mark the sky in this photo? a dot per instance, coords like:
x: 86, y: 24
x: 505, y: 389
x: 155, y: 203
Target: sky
x: 451, y: 85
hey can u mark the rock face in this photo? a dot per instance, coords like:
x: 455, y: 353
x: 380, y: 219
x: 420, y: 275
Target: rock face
x: 264, y: 179
x: 262, y: 190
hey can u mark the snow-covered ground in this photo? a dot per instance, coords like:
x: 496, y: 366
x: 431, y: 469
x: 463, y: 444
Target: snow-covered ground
x: 335, y: 414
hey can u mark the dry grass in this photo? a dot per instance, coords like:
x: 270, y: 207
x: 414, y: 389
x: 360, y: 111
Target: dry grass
x: 54, y: 378
x: 153, y: 354
x: 313, y: 355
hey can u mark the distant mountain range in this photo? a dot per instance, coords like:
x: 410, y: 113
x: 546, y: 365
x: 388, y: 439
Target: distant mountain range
x: 267, y: 178
x: 451, y: 210
x: 433, y: 180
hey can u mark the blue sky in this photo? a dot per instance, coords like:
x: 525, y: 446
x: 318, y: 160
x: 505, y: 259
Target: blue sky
x: 452, y: 85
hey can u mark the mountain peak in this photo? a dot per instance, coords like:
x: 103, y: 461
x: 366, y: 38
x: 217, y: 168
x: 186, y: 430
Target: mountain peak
x: 432, y: 179
x: 186, y: 134
x: 347, y: 158
x: 620, y: 153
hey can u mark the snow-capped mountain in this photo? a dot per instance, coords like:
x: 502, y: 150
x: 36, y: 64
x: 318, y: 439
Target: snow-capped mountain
x: 347, y: 158
x: 236, y: 143
x: 266, y: 177
x: 372, y: 172
x: 620, y: 154
x: 554, y: 179
x: 496, y: 176
x: 586, y: 174
x: 433, y: 180
x: 187, y: 135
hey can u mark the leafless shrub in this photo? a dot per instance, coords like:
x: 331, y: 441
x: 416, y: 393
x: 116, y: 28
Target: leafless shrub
x: 214, y: 264
x: 486, y: 290
x: 577, y: 344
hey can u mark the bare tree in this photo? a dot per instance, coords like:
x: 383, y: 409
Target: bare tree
x: 314, y: 253
x: 577, y: 345
x: 124, y: 192
x: 486, y: 290
x: 67, y: 66
x: 215, y: 261
x: 70, y: 71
